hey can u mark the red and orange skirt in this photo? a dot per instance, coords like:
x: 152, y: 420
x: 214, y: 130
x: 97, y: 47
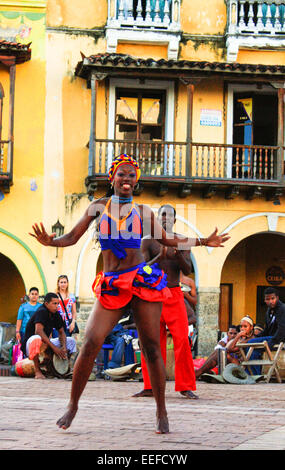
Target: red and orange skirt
x: 115, y: 289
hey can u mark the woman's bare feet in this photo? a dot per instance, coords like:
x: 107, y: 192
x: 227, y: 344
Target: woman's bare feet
x: 65, y: 421
x: 162, y: 426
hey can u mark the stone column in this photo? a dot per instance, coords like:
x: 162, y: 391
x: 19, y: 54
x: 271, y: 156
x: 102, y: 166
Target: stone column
x: 83, y: 312
x: 208, y: 319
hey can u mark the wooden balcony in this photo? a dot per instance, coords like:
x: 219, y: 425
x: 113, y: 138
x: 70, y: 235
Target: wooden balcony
x: 211, y: 167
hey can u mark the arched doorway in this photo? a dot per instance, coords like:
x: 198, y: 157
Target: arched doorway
x: 12, y: 288
x: 245, y: 276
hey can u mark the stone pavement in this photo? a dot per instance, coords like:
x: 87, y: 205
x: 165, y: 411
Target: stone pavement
x: 225, y: 417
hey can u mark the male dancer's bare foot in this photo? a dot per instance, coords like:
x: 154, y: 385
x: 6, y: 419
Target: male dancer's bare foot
x: 190, y: 395
x: 65, y: 421
x: 144, y: 393
x: 162, y: 426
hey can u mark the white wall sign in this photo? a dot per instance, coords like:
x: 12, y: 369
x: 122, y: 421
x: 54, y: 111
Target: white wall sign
x: 210, y: 117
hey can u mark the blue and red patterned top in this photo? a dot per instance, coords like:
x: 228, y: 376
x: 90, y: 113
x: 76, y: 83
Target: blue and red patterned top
x: 116, y: 234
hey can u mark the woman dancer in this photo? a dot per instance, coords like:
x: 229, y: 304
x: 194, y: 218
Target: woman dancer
x: 126, y: 278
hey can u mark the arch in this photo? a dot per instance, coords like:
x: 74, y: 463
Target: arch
x: 245, y: 269
x: 12, y: 289
x: 272, y: 219
x: 30, y: 254
x: 245, y: 229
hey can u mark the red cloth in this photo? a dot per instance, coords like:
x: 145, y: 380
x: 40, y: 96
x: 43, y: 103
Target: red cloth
x: 174, y: 315
x: 199, y: 362
x: 34, y: 348
x: 115, y: 290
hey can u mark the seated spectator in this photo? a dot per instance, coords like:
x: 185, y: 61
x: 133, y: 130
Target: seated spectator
x: 127, y: 320
x: 228, y: 343
x: 245, y: 335
x: 25, y: 312
x: 258, y: 330
x: 39, y: 329
x: 118, y: 337
x: 232, y: 332
x: 274, y: 331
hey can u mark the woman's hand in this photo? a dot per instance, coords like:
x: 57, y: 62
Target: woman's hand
x: 215, y: 240
x: 41, y: 235
x: 71, y: 326
x: 18, y: 337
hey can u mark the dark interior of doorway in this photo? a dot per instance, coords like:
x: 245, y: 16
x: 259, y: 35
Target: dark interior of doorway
x: 261, y: 305
x: 259, y: 128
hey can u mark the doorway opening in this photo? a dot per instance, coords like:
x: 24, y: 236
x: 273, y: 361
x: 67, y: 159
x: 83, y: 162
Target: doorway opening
x: 244, y: 277
x: 255, y: 123
x: 12, y: 290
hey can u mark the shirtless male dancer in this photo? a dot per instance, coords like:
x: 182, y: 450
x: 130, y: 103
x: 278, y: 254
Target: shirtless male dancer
x: 174, y: 314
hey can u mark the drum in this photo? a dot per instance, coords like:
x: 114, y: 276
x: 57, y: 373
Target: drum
x: 51, y: 365
x: 24, y: 368
x: 45, y: 359
x: 60, y: 367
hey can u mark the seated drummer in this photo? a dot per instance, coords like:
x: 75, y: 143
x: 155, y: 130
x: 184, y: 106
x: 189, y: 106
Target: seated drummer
x: 39, y: 329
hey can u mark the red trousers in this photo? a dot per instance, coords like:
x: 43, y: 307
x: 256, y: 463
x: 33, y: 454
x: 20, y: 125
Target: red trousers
x: 174, y: 315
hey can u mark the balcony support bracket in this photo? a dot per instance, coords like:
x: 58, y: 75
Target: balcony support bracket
x: 232, y: 192
x: 162, y: 189
x: 184, y: 190
x: 209, y: 191
x: 274, y: 194
x: 253, y: 193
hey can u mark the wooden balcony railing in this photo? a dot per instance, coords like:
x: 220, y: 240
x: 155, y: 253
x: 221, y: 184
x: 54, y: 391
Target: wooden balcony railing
x: 181, y: 161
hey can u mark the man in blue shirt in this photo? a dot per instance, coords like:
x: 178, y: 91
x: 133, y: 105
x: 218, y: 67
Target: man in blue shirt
x: 25, y: 312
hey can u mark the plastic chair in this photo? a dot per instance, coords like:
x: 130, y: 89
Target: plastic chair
x: 106, y: 349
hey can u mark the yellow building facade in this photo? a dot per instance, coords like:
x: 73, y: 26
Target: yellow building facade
x: 194, y: 90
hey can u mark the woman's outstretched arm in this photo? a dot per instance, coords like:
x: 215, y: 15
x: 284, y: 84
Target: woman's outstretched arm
x: 71, y: 237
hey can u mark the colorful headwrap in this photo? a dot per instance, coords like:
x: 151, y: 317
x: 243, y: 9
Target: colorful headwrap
x: 120, y: 160
x: 248, y: 319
